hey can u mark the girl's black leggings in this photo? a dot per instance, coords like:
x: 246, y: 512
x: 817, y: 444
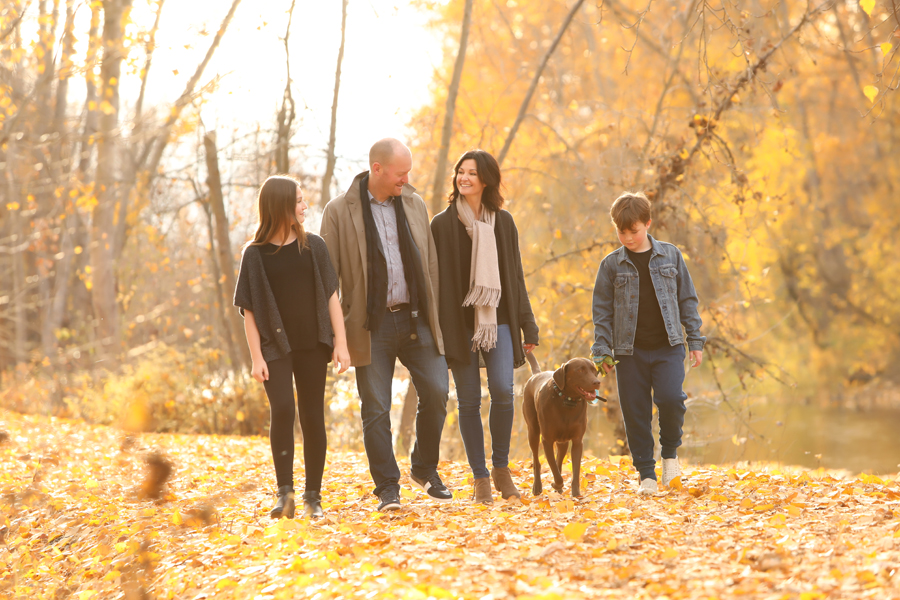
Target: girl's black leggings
x: 308, y: 368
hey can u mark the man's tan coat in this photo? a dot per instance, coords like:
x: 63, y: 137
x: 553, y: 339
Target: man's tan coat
x: 344, y: 232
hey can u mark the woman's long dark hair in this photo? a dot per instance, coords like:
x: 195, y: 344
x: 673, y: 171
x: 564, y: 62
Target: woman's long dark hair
x: 488, y: 173
x: 277, y: 208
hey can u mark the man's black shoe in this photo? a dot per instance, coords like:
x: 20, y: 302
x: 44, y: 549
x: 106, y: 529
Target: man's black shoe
x: 434, y: 487
x: 390, y: 500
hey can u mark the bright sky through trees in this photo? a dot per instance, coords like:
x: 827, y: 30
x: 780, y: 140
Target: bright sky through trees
x: 388, y: 65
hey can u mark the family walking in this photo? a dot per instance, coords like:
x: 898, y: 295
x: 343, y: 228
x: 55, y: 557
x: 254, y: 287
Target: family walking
x: 381, y: 283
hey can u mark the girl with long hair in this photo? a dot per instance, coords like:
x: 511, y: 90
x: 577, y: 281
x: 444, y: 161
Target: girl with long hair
x: 485, y: 314
x: 287, y: 294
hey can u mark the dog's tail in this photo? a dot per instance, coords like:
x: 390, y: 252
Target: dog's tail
x: 533, y: 363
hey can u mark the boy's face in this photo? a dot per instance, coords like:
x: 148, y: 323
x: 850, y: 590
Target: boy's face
x: 635, y: 237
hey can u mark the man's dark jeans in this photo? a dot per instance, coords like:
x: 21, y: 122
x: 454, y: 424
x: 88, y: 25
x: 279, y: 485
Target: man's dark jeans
x: 428, y: 369
x: 661, y: 371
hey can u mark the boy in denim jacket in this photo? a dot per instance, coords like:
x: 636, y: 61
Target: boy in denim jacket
x: 643, y: 298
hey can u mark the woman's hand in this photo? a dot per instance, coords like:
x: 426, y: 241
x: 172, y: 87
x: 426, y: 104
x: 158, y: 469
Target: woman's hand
x: 529, y: 347
x: 260, y: 370
x: 341, y: 357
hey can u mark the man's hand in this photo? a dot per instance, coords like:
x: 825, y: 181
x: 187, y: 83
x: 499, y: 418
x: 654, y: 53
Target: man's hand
x: 529, y: 347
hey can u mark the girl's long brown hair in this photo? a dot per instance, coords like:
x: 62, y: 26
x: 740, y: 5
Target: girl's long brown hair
x: 277, y: 206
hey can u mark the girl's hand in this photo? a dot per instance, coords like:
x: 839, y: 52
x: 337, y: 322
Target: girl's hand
x: 260, y: 370
x: 529, y: 347
x: 696, y: 358
x: 341, y: 357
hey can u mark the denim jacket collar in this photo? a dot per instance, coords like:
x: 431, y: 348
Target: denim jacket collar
x: 654, y: 245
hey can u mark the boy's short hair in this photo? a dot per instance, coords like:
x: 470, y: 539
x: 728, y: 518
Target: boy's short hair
x: 628, y: 209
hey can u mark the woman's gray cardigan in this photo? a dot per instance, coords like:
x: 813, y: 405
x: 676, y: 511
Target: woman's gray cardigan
x: 253, y: 293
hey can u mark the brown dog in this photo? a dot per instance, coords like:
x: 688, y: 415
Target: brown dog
x: 555, y: 408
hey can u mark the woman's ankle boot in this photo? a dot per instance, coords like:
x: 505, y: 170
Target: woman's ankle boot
x: 284, y: 508
x: 504, y: 483
x: 483, y: 493
x: 312, y: 504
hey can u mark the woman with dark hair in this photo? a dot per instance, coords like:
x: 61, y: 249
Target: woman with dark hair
x: 287, y: 293
x: 484, y: 312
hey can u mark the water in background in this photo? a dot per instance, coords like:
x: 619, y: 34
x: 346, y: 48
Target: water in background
x: 789, y: 433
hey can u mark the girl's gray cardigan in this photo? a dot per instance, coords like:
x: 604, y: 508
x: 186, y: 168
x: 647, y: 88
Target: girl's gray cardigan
x: 253, y: 293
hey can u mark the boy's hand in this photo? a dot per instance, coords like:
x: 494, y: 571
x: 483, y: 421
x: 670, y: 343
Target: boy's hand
x: 696, y: 358
x: 605, y: 364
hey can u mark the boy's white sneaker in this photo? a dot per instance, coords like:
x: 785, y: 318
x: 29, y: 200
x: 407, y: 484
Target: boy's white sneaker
x: 648, y: 487
x: 670, y: 470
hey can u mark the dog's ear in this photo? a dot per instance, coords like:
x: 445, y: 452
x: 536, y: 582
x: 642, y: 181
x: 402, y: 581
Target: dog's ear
x: 559, y: 376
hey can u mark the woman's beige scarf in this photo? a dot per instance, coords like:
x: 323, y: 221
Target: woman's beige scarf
x: 484, y: 274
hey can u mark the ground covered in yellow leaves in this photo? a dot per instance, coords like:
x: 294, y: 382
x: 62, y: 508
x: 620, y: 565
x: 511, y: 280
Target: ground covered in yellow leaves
x: 76, y: 522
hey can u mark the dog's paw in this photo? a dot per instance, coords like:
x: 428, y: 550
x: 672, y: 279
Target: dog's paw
x: 537, y: 489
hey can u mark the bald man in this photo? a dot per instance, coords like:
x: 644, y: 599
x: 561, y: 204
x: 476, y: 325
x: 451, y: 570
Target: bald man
x: 379, y: 239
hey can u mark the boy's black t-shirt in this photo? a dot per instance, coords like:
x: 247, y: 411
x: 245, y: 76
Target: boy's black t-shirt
x: 465, y: 271
x: 291, y: 278
x: 650, y: 333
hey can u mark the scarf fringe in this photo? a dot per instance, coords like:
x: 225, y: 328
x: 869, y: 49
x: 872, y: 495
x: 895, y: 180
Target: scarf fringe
x: 485, y: 337
x: 480, y: 295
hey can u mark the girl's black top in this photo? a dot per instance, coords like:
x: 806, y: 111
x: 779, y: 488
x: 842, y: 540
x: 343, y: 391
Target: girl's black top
x: 290, y: 275
x: 465, y: 271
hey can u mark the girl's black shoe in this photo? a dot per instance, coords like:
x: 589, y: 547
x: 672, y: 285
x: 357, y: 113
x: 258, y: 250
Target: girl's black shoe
x: 312, y: 504
x: 284, y: 508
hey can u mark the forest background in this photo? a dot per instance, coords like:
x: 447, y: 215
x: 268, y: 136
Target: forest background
x: 134, y: 134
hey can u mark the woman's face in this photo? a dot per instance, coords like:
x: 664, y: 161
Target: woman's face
x: 467, y: 180
x: 301, y: 206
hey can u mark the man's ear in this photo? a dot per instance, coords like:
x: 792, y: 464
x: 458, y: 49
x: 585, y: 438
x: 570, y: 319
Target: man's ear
x: 559, y: 376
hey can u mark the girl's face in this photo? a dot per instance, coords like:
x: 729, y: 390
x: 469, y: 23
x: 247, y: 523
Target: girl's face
x: 467, y: 179
x: 301, y: 206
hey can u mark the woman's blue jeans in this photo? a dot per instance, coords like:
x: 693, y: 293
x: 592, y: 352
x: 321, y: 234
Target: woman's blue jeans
x: 499, y: 363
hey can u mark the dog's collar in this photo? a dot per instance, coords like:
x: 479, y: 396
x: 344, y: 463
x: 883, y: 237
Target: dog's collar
x: 566, y: 400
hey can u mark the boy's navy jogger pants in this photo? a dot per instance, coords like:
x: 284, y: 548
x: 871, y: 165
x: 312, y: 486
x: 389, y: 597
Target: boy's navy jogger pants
x: 644, y: 378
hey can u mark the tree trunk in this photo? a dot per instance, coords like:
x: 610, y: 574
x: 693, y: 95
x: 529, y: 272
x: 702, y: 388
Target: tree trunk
x: 103, y: 263
x: 287, y: 112
x: 407, y: 421
x: 332, y: 136
x: 449, y: 111
x: 17, y: 299
x: 223, y: 244
x: 46, y: 44
x: 91, y: 114
x: 229, y: 339
x: 54, y: 309
x: 534, y: 82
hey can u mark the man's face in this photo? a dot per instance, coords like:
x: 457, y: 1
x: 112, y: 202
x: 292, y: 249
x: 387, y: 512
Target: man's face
x: 394, y: 173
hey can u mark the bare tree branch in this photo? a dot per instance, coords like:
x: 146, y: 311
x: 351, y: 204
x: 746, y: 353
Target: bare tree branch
x: 331, y: 159
x: 449, y: 111
x: 534, y: 82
